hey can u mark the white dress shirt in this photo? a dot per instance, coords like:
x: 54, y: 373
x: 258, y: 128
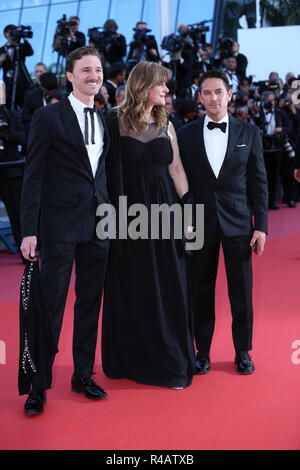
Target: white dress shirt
x: 270, y: 123
x: 94, y: 150
x: 215, y: 142
x: 194, y: 89
x: 233, y: 81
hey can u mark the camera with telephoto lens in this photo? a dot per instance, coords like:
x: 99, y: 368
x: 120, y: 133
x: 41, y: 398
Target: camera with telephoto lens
x: 63, y: 26
x: 268, y: 106
x: 264, y: 85
x: 197, y: 32
x: 288, y: 148
x: 102, y: 39
x: 21, y: 32
x: 141, y: 35
x: 225, y: 47
x: 287, y: 103
x: 173, y: 43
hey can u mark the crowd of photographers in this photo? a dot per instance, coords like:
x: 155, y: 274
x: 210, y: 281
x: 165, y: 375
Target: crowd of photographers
x: 267, y: 104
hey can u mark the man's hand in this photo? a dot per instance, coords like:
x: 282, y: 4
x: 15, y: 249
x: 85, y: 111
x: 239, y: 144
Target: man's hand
x: 28, y: 247
x: 258, y: 242
x: 153, y: 52
x: 297, y: 175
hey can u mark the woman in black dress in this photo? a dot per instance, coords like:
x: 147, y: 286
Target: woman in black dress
x: 147, y: 333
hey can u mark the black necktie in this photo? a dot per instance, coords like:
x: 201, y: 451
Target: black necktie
x: 221, y: 125
x: 86, y: 125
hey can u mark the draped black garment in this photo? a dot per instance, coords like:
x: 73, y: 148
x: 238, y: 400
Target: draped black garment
x: 147, y: 332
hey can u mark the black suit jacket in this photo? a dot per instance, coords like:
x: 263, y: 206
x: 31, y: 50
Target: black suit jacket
x: 60, y: 193
x: 242, y: 63
x: 33, y: 101
x: 111, y: 90
x: 241, y: 187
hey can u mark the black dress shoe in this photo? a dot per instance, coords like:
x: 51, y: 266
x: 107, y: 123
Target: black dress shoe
x: 244, y: 363
x: 202, y: 365
x: 88, y: 387
x: 35, y: 402
x: 291, y: 204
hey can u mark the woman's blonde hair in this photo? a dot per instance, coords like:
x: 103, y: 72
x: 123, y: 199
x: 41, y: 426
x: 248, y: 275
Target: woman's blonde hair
x: 131, y: 111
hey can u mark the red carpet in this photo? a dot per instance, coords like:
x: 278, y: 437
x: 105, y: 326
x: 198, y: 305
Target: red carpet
x: 221, y: 410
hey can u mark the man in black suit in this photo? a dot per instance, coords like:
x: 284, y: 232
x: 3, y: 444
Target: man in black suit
x: 37, y: 98
x: 117, y: 75
x: 64, y: 182
x: 8, y: 57
x: 225, y: 167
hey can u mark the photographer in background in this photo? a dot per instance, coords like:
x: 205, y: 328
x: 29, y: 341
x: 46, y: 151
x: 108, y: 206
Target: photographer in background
x: 12, y: 135
x: 76, y: 38
x: 181, y: 50
x: 202, y: 63
x: 143, y: 47
x: 289, y: 184
x: 110, y: 43
x: 232, y: 74
x: 274, y: 126
x: 12, y: 59
x: 241, y: 59
x: 67, y: 38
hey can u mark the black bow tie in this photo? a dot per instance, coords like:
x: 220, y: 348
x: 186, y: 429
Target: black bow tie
x: 221, y: 125
x: 86, y: 125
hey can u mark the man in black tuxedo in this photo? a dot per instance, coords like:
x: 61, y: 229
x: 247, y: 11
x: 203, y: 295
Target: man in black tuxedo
x: 224, y: 163
x: 64, y: 182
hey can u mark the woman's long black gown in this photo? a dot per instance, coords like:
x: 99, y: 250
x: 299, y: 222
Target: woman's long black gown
x: 147, y: 332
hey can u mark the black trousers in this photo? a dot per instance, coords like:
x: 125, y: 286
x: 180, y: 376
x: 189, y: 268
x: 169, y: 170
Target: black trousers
x: 273, y: 164
x: 90, y: 267
x: 204, y: 267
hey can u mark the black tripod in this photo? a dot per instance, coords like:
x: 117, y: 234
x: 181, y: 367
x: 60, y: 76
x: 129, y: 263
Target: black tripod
x: 18, y: 66
x: 62, y: 52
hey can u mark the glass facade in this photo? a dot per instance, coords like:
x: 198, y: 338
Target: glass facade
x: 42, y: 15
x: 239, y: 14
